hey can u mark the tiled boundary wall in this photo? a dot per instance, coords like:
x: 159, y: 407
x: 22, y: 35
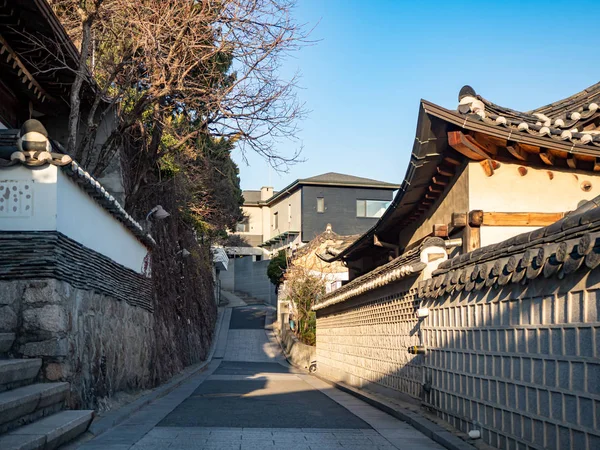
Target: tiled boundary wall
x: 520, y: 362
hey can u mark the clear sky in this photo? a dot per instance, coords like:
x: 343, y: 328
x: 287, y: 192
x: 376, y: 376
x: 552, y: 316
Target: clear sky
x: 376, y: 59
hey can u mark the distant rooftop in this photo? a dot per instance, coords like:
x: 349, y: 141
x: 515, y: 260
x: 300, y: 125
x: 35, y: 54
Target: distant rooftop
x: 340, y: 178
x: 329, y: 178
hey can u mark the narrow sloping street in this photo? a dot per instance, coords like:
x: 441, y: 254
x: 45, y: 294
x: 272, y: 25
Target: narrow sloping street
x: 250, y: 398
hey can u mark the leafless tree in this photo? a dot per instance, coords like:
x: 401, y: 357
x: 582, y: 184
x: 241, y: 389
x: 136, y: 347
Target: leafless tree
x: 171, y: 70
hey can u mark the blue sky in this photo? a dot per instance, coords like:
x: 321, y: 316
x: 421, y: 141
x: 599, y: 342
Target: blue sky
x: 376, y: 59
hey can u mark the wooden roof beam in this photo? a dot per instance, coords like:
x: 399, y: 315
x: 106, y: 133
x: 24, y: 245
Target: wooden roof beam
x: 468, y: 146
x: 26, y: 75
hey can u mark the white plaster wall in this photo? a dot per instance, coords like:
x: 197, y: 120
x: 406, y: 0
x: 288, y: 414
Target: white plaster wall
x: 40, y: 184
x: 56, y: 203
x: 83, y: 220
x: 254, y: 214
x: 289, y: 209
x: 507, y: 191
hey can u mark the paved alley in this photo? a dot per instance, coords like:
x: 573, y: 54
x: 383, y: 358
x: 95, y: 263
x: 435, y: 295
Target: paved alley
x: 248, y: 397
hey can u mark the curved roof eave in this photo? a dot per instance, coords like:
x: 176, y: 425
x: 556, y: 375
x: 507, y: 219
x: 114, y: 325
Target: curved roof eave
x: 426, y: 150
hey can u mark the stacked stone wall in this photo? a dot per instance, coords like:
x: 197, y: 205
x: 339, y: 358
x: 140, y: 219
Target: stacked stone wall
x: 99, y: 344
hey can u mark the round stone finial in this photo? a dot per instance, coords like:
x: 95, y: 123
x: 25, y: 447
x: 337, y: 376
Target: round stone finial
x: 466, y: 91
x: 33, y: 137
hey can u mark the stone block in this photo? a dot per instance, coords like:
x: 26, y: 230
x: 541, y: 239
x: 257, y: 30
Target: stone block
x: 544, y: 402
x: 51, y: 347
x: 564, y: 438
x: 570, y: 341
x: 563, y: 374
x: 9, y: 292
x: 48, y: 318
x: 593, y: 378
x: 557, y: 406
x: 587, y: 417
x: 55, y: 372
x: 586, y: 347
x: 45, y: 291
x: 8, y: 319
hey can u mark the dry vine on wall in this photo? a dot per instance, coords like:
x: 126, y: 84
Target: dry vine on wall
x: 185, y: 311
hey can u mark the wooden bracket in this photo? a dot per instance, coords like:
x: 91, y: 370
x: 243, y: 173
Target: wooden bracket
x: 379, y: 243
x: 547, y: 157
x: 517, y: 151
x: 468, y: 146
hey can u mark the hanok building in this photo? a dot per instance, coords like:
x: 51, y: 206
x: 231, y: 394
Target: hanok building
x: 301, y: 211
x: 485, y: 266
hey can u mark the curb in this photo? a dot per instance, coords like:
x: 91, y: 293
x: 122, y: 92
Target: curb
x: 113, y: 418
x: 420, y: 423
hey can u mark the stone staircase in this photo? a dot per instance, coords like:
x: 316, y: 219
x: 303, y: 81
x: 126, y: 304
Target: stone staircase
x: 32, y: 415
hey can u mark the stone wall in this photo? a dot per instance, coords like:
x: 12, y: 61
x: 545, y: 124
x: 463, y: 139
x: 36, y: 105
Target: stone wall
x: 296, y: 352
x: 99, y: 344
x: 520, y: 362
x: 523, y: 361
x: 363, y: 341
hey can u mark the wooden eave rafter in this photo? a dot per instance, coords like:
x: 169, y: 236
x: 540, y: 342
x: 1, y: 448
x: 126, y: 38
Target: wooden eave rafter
x: 23, y: 73
x: 486, y: 149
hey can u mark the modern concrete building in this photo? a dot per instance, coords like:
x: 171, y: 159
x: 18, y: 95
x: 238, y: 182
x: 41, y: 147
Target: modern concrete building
x: 302, y: 210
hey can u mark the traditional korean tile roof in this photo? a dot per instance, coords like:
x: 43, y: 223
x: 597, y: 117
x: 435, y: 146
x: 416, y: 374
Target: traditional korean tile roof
x: 82, y: 178
x: 567, y: 127
x: 309, y: 257
x: 553, y: 251
x: 406, y: 265
x: 560, y: 121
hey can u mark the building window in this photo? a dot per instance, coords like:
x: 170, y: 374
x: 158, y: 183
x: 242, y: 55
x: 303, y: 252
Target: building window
x: 371, y: 208
x: 242, y: 227
x: 320, y: 205
x: 276, y: 221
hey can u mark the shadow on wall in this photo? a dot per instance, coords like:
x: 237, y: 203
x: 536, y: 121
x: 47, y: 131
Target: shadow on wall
x: 250, y: 278
x: 519, y: 363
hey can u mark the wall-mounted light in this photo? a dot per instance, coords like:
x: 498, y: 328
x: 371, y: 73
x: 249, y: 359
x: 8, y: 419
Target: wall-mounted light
x: 158, y: 212
x: 422, y: 313
x: 183, y: 253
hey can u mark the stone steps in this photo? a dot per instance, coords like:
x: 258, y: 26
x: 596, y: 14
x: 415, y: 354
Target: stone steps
x: 31, y: 415
x: 26, y: 404
x: 6, y: 342
x: 17, y: 372
x: 48, y: 433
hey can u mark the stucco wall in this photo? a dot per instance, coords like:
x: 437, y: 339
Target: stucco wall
x: 255, y: 221
x: 48, y: 200
x: 540, y: 190
x: 288, y: 210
